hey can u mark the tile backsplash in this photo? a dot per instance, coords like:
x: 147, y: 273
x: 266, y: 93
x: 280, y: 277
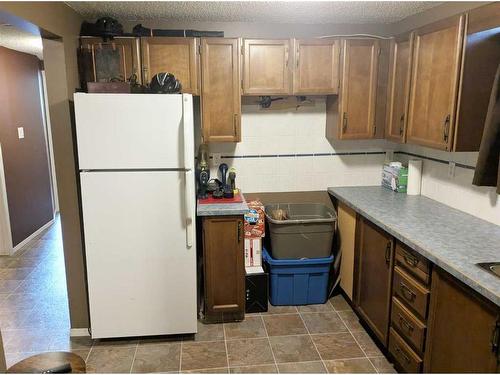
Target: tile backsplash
x: 286, y: 150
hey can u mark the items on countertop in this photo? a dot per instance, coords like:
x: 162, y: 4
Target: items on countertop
x: 414, y: 177
x: 395, y: 176
x: 487, y: 171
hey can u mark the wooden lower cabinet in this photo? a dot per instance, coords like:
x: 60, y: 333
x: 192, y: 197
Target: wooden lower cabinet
x: 224, y: 267
x: 463, y: 333
x: 373, y: 267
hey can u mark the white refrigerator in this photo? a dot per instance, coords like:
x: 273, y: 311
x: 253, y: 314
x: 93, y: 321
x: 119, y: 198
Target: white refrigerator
x: 136, y: 162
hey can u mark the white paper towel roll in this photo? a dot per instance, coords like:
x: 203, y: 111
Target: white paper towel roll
x: 414, y: 177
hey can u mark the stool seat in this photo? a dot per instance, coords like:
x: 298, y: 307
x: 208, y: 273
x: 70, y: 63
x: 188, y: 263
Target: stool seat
x: 44, y: 362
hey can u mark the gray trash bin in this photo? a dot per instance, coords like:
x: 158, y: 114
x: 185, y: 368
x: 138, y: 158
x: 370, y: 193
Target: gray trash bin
x: 307, y: 232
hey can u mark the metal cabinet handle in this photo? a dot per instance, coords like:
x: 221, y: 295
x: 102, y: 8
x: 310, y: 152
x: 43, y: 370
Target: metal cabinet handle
x: 235, y: 124
x: 298, y: 55
x: 344, y: 122
x: 388, y: 252
x: 404, y: 323
x: 407, y: 292
x: 405, y: 357
x: 495, y: 336
x: 401, y: 124
x: 240, y: 225
x: 287, y: 57
x: 446, y: 128
x: 410, y: 260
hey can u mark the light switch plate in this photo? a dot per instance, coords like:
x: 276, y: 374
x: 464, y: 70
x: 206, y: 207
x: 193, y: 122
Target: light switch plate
x: 216, y: 159
x: 451, y: 169
x: 389, y: 155
x: 20, y: 132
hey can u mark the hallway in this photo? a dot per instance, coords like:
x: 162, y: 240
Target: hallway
x: 34, y: 314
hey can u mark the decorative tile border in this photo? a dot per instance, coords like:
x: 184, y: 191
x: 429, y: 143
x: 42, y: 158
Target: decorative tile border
x: 436, y: 160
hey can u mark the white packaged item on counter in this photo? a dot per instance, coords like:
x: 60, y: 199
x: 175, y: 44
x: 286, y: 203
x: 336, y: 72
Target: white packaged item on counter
x: 414, y: 177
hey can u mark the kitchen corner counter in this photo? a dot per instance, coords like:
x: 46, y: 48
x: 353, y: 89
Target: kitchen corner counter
x: 222, y: 209
x: 452, y: 239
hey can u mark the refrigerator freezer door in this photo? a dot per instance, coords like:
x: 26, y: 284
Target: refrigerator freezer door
x: 141, y: 273
x: 134, y: 131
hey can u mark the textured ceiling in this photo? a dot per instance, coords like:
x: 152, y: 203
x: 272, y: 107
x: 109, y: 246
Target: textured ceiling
x: 22, y: 41
x: 305, y: 12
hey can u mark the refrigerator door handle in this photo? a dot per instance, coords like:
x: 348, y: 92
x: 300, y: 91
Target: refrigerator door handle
x: 188, y: 130
x: 188, y: 207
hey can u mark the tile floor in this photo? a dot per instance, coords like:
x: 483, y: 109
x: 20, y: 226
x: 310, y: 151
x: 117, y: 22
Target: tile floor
x: 306, y: 339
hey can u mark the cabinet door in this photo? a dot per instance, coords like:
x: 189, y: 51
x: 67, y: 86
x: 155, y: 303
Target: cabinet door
x: 359, y: 88
x: 172, y: 55
x: 224, y: 264
x: 220, y: 91
x: 316, y: 69
x: 374, y: 250
x: 435, y: 76
x: 103, y: 61
x: 266, y: 68
x: 463, y: 329
x: 399, y: 88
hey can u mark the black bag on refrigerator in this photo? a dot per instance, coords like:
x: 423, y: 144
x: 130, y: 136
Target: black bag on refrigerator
x: 104, y: 27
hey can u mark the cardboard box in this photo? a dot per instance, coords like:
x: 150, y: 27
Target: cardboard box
x: 255, y: 220
x: 253, y: 252
x: 256, y: 290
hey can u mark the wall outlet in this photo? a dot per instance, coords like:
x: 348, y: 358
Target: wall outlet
x: 216, y: 159
x: 451, y: 169
x: 20, y: 132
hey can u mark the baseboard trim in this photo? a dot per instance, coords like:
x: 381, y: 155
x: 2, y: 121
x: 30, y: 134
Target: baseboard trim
x: 79, y: 332
x: 35, y: 234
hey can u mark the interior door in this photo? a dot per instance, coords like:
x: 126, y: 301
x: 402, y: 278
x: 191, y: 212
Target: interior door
x: 435, y: 76
x: 266, y: 69
x: 131, y: 131
x: 399, y: 88
x: 141, y: 272
x: 359, y: 88
x: 173, y: 55
x: 374, y: 259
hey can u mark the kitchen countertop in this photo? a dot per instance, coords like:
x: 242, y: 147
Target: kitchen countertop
x: 222, y: 209
x: 451, y: 239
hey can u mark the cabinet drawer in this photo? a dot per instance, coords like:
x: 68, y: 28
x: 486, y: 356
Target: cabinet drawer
x: 404, y: 355
x: 408, y: 325
x: 410, y: 292
x: 413, y: 262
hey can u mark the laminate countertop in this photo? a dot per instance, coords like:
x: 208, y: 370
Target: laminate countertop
x: 222, y: 209
x: 451, y: 239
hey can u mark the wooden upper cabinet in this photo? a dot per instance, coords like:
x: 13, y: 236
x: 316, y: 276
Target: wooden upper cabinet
x: 104, y: 61
x: 266, y: 67
x: 316, y: 67
x: 220, y: 90
x: 399, y: 87
x: 434, y: 87
x: 172, y: 55
x: 358, y: 88
x: 373, y: 268
x: 464, y: 329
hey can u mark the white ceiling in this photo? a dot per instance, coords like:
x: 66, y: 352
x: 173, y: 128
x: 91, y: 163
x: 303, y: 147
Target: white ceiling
x: 305, y: 12
x: 20, y: 40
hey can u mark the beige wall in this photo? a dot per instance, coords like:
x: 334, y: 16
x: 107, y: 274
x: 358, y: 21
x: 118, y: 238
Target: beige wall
x: 62, y: 79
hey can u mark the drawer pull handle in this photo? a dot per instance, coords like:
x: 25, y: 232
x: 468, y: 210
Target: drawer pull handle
x: 403, y: 323
x: 400, y: 352
x: 408, y: 294
x: 410, y: 260
x: 494, y: 337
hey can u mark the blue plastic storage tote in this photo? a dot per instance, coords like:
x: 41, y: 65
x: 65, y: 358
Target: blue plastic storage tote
x: 297, y: 281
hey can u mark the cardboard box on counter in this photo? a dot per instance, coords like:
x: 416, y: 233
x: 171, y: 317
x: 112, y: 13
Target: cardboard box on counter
x: 255, y: 220
x: 253, y: 251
